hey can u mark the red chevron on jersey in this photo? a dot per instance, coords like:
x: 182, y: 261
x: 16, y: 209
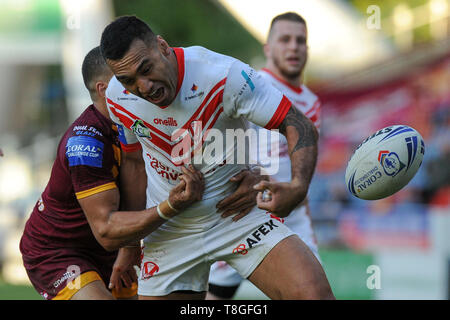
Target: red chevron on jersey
x: 207, y: 114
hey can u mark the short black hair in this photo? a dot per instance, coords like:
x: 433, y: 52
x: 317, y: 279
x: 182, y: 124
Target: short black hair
x: 93, y: 68
x: 119, y: 34
x: 288, y: 16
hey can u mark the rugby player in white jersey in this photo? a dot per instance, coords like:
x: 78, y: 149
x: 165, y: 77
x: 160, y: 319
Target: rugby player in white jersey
x: 159, y: 96
x: 286, y: 53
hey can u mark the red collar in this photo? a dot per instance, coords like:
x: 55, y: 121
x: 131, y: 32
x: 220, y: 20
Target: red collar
x: 293, y: 88
x: 179, y: 53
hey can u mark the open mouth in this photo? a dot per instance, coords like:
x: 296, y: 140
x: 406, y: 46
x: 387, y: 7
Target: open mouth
x: 293, y: 60
x: 156, y: 95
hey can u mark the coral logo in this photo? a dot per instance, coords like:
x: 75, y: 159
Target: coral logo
x: 126, y: 91
x: 149, y: 269
x: 390, y: 162
x: 194, y: 88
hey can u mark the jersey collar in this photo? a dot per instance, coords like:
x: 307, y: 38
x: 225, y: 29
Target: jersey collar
x: 293, y: 88
x: 179, y: 54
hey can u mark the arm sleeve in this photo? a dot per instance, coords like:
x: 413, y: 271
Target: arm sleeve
x: 91, y: 163
x: 249, y: 95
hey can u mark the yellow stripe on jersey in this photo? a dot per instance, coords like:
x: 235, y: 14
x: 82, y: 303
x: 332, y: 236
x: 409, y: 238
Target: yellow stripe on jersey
x: 75, y: 285
x: 90, y: 192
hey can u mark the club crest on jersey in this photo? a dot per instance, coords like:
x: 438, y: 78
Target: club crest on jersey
x: 390, y: 162
x: 148, y: 269
x: 140, y: 129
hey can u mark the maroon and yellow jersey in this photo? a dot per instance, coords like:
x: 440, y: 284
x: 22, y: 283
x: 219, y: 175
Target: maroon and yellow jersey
x: 87, y: 162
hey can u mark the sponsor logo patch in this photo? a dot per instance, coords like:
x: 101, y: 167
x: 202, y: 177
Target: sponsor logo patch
x: 82, y: 150
x: 195, y: 94
x: 255, y: 237
x: 248, y: 79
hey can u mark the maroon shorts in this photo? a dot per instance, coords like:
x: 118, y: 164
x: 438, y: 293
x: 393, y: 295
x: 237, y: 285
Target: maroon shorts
x: 50, y: 269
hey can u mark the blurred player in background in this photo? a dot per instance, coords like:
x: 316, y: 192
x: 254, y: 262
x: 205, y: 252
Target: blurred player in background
x: 69, y: 245
x: 286, y: 52
x: 158, y: 95
x: 1, y: 153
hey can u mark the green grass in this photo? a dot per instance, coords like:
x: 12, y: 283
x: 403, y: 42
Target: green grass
x: 17, y: 292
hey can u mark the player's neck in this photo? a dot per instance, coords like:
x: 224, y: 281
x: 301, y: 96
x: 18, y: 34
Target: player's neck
x: 294, y: 82
x: 101, y: 107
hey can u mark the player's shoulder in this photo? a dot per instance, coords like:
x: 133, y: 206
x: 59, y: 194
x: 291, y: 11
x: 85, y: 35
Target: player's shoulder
x: 90, y: 125
x: 308, y: 93
x: 84, y: 141
x: 114, y: 89
x: 206, y: 56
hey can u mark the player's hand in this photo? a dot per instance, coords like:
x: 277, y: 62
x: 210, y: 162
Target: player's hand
x: 283, y: 197
x: 189, y: 190
x: 241, y: 201
x: 123, y: 272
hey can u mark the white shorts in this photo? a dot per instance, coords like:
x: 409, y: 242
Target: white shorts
x: 222, y: 274
x: 175, y: 261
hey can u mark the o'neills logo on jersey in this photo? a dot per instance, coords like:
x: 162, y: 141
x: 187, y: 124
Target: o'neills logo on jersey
x: 167, y: 122
x: 255, y: 237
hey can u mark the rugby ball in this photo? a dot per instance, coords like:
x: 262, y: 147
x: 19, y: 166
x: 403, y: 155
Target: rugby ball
x: 384, y: 162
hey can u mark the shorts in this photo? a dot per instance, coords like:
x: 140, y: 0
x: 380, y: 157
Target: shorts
x: 222, y: 274
x: 181, y: 261
x: 60, y: 273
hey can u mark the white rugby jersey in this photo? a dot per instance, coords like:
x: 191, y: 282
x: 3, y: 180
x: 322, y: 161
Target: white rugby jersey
x: 305, y: 101
x: 215, y: 91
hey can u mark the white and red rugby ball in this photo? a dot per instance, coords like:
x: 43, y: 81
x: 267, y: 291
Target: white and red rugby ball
x: 384, y: 162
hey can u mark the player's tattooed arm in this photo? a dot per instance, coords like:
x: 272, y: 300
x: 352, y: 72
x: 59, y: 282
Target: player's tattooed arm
x: 302, y: 136
x: 306, y: 131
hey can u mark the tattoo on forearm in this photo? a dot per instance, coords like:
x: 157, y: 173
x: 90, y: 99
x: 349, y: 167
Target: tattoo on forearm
x: 307, y: 133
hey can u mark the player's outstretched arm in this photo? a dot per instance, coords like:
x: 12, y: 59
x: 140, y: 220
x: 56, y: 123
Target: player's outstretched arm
x: 302, y: 136
x: 114, y: 229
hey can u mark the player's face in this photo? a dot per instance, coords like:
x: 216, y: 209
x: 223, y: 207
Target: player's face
x: 286, y: 47
x: 148, y: 71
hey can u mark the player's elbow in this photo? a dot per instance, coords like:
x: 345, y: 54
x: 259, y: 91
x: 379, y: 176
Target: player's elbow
x: 108, y: 244
x: 104, y: 239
